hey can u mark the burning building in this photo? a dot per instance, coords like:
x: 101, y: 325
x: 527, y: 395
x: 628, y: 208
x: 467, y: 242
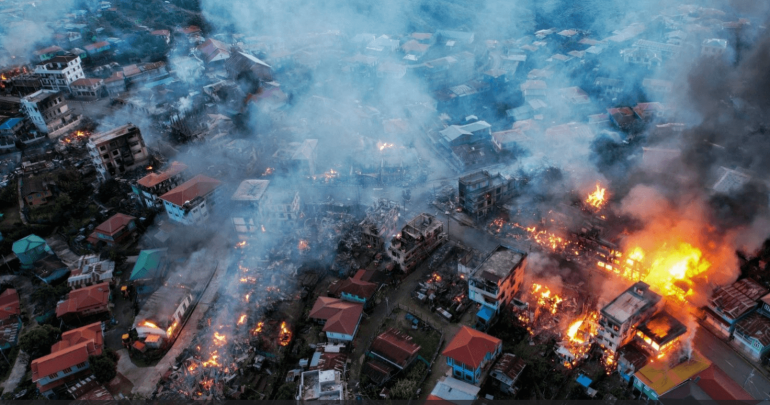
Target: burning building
x: 481, y: 191
x: 731, y: 303
x: 620, y: 317
x: 660, y: 333
x: 118, y: 151
x: 380, y: 223
x: 247, y: 205
x: 191, y: 202
x: 496, y: 281
x: 161, y: 317
x: 417, y: 240
x: 150, y: 187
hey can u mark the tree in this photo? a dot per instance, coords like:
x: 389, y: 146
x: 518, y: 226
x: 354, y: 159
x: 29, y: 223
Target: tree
x: 105, y: 369
x: 37, y: 342
x: 286, y: 391
x: 403, y: 389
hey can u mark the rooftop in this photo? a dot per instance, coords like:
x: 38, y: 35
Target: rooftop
x: 499, y: 264
x: 663, y: 328
x: 395, y: 346
x: 161, y: 305
x: 250, y: 190
x: 755, y: 326
x: 84, y: 298
x: 107, y: 136
x: 89, y: 333
x: 114, y: 224
x: 9, y: 304
x: 735, y: 300
x: 27, y: 243
x: 634, y: 300
x: 340, y: 316
x: 153, y: 179
x: 470, y: 346
x: 148, y: 264
x: 510, y: 365
x: 359, y: 288
x: 456, y: 391
x: 663, y: 376
x: 58, y: 361
x: 197, y: 186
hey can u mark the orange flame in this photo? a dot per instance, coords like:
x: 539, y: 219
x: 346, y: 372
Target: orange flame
x: 597, y: 199
x: 303, y: 245
x: 149, y: 324
x: 219, y: 339
x: 258, y: 328
x: 171, y: 328
x: 285, y: 336
x: 242, y: 319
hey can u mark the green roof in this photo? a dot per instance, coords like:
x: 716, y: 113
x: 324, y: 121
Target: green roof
x: 147, y: 263
x: 28, y: 243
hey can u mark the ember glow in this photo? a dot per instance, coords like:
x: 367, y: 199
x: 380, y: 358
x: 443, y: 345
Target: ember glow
x: 545, y: 298
x: 258, y: 328
x: 242, y: 319
x: 598, y: 198
x: 384, y: 145
x: 241, y: 244
x: 149, y: 324
x: 220, y: 339
x: 303, y: 245
x: 171, y: 328
x: 285, y: 336
x: 212, y: 361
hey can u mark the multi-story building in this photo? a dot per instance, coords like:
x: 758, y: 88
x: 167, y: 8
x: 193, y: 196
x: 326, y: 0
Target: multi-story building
x: 150, y: 187
x: 620, y: 318
x: 496, y: 281
x: 417, y: 240
x: 49, y: 112
x: 282, y: 207
x: 192, y: 201
x: 247, y: 205
x: 479, y: 192
x: 470, y: 352
x: 380, y: 223
x: 119, y: 229
x: 713, y: 47
x: 87, y: 89
x: 68, y: 362
x: 59, y: 72
x: 117, y: 151
x: 730, y: 304
x: 84, y: 302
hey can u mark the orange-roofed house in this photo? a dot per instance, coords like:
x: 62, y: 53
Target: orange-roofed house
x: 356, y: 290
x: 117, y: 230
x: 150, y: 187
x: 85, y: 301
x: 469, y: 352
x: 9, y: 304
x: 340, y: 318
x: 213, y: 51
x: 192, y: 202
x: 89, y: 333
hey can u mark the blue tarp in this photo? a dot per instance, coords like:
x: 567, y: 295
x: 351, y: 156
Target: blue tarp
x: 584, y: 381
x: 485, y: 313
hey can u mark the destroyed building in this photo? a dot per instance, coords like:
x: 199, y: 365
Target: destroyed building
x: 319, y: 385
x: 158, y: 321
x: 246, y: 207
x: 416, y: 241
x: 118, y: 151
x: 49, y: 112
x: 480, y: 191
x: 242, y: 66
x: 380, y: 223
x: 298, y: 157
x: 496, y: 281
x: 659, y: 333
x: 620, y: 317
x: 150, y: 187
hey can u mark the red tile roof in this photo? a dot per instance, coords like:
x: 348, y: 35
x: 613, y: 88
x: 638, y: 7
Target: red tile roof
x: 88, y: 333
x: 86, y: 82
x: 96, y: 45
x: 153, y: 179
x: 720, y: 387
x: 470, y: 346
x: 58, y: 361
x: 340, y: 316
x: 9, y: 304
x: 396, y: 346
x: 84, y: 298
x: 197, y: 186
x: 115, y: 224
x: 358, y: 288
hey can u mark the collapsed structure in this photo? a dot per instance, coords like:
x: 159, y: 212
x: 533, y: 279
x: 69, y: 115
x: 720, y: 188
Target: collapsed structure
x: 416, y: 241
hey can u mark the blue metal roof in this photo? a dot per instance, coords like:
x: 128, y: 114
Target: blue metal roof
x: 486, y: 313
x: 584, y: 381
x: 10, y: 123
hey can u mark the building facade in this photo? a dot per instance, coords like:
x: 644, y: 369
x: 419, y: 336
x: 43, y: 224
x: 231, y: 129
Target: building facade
x: 118, y: 151
x: 58, y: 72
x: 417, y: 240
x: 150, y: 187
x: 193, y: 201
x: 496, y: 281
x: 49, y: 112
x: 619, y: 318
x: 479, y: 192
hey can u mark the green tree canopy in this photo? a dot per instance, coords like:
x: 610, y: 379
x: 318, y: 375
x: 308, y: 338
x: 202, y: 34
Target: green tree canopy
x: 38, y: 341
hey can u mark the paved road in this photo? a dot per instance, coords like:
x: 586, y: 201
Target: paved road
x: 740, y: 370
x: 17, y: 372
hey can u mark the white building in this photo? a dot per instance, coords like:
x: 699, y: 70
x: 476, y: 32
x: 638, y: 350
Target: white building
x: 496, y: 281
x: 619, y: 318
x: 713, y: 47
x: 59, y: 72
x: 193, y: 201
x: 321, y: 385
x: 247, y: 205
x: 117, y: 151
x: 49, y: 112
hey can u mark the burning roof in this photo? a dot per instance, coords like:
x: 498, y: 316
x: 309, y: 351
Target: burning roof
x: 153, y: 179
x: 662, y: 328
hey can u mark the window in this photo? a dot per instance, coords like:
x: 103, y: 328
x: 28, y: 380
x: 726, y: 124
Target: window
x: 115, y: 153
x: 67, y: 370
x: 54, y: 375
x: 81, y: 365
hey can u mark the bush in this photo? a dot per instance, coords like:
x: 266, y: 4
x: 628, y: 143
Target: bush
x: 105, y: 369
x: 37, y: 342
